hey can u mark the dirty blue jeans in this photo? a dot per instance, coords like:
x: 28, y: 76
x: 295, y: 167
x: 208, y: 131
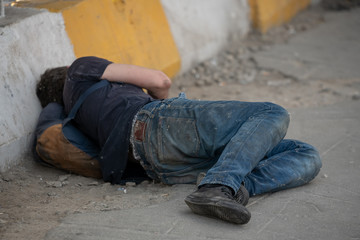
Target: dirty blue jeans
x: 233, y: 142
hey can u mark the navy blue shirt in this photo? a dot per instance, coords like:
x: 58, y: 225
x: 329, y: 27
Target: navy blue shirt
x: 106, y: 115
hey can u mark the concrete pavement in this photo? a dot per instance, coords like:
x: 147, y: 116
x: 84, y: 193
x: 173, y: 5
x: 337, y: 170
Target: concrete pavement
x: 330, y: 51
x: 327, y: 208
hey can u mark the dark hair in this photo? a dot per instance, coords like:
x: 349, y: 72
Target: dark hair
x: 50, y: 87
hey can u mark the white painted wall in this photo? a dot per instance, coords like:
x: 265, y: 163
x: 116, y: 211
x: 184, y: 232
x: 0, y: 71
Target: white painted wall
x: 201, y: 28
x: 27, y: 48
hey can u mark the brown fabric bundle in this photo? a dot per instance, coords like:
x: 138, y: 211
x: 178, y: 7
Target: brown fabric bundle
x: 53, y: 148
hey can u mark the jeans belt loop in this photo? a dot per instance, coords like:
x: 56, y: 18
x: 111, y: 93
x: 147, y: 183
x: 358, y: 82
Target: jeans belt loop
x: 182, y: 95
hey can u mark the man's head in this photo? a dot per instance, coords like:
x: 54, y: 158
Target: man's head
x: 51, y: 85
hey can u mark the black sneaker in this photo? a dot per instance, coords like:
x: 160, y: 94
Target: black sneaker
x: 242, y: 195
x: 218, y: 201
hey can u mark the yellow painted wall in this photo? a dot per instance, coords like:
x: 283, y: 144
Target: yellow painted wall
x: 268, y: 13
x: 124, y: 31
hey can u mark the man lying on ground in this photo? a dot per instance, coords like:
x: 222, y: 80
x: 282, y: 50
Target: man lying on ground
x: 239, y: 145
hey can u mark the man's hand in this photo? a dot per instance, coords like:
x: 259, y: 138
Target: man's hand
x: 156, y: 82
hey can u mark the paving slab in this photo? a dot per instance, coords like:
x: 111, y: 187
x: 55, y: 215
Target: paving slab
x: 329, y: 51
x: 328, y: 208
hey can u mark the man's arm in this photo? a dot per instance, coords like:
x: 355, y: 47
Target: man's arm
x: 156, y: 82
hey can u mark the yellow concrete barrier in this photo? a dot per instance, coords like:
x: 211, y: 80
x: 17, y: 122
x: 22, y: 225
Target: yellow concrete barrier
x: 124, y: 31
x: 268, y: 13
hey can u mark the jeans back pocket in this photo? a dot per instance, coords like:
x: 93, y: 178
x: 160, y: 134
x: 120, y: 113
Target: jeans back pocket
x: 178, y: 141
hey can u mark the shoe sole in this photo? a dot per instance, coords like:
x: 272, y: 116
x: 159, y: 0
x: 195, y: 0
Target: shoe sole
x: 227, y: 211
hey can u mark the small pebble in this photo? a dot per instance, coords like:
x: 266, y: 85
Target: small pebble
x: 107, y: 198
x: 145, y: 182
x: 130, y: 184
x: 95, y: 183
x: 7, y: 178
x: 55, y: 184
x: 2, y: 221
x: 65, y: 183
x: 199, y: 83
x: 122, y: 189
x: 355, y: 96
x: 63, y: 178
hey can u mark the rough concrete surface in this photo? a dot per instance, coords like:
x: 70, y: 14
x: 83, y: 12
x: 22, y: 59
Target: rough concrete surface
x: 318, y: 52
x: 328, y: 208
